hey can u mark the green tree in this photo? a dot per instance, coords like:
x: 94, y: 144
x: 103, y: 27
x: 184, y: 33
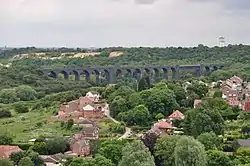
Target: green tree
x: 21, y: 108
x: 112, y: 149
x: 211, y: 141
x: 199, y: 88
x: 188, y: 152
x: 40, y: 147
x: 159, y: 116
x: 117, y: 106
x: 136, y: 154
x: 217, y: 94
x: 141, y: 115
x: 164, y: 149
x: 134, y: 100
x: 102, y: 161
x: 69, y: 124
x: 35, y: 158
x: 5, y: 139
x: 25, y: 93
x: 8, y: 96
x: 26, y: 161
x: 6, y: 162
x: 143, y: 83
x: 56, y: 145
x: 218, y: 158
x: 16, y: 157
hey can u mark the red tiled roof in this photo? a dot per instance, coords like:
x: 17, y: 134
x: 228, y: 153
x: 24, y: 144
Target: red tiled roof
x: 163, y: 125
x: 176, y: 114
x: 234, y: 102
x: 6, y: 150
x: 197, y: 102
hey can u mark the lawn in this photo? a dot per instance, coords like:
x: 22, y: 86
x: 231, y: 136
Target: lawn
x: 24, y: 127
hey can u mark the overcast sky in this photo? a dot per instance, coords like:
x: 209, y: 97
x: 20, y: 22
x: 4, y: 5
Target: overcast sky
x: 100, y: 23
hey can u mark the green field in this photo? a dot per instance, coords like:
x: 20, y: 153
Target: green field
x: 24, y: 127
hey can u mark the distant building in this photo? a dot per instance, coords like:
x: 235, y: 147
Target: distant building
x: 7, y: 150
x: 196, y: 102
x: 176, y: 115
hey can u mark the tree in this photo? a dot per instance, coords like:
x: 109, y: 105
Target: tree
x: 8, y: 96
x: 159, y: 116
x: 188, y: 152
x: 164, y: 149
x: 149, y: 140
x: 25, y: 93
x: 134, y: 100
x: 21, y: 108
x: 136, y: 154
x: 211, y: 141
x: 5, y: 139
x: 40, y: 147
x: 56, y: 145
x: 117, y: 106
x: 217, y: 94
x: 218, y: 158
x: 69, y: 124
x: 6, y: 162
x: 112, y: 149
x: 16, y: 157
x: 26, y: 161
x: 180, y: 94
x: 199, y: 88
x: 144, y: 83
x: 141, y: 115
x: 102, y: 161
x: 34, y: 156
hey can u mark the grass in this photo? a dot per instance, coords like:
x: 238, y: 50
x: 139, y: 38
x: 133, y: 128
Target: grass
x: 24, y: 127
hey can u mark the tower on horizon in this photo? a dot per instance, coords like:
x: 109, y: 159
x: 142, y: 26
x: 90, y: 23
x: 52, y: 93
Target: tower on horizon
x: 222, y: 41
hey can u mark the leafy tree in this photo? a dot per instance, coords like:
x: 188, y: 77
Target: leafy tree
x: 40, y: 147
x: 180, y: 94
x: 198, y: 88
x: 102, y: 161
x: 16, y: 157
x: 164, y: 149
x: 37, y: 161
x: 141, y: 115
x: 6, y: 162
x: 217, y: 94
x: 149, y: 140
x: 159, y: 116
x: 112, y: 149
x: 26, y: 161
x: 25, y: 93
x: 5, y: 139
x: 218, y: 158
x: 134, y: 100
x: 136, y: 154
x: 56, y: 145
x: 210, y: 140
x: 117, y: 106
x: 144, y: 83
x: 188, y: 152
x: 21, y: 108
x: 8, y: 96
x: 69, y: 124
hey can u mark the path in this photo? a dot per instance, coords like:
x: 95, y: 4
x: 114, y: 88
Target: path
x: 127, y: 129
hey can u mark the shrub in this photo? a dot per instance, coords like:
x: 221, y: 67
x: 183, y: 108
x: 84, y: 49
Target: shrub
x: 5, y: 113
x: 21, y: 108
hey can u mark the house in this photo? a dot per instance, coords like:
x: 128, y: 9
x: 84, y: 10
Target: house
x: 7, y: 150
x: 164, y: 126
x: 196, y: 102
x: 246, y: 106
x: 90, y: 133
x: 52, y: 160
x: 243, y: 143
x: 236, y: 80
x: 84, y: 122
x: 176, y: 115
x: 81, y: 147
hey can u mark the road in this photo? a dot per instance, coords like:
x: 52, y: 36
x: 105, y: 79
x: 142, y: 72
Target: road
x: 127, y: 129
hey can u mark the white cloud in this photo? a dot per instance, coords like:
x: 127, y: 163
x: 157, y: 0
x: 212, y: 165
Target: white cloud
x: 119, y: 22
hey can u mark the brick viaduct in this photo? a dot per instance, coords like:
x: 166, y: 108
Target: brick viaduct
x: 111, y: 73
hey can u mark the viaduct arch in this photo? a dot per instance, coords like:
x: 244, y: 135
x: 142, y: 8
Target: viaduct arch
x: 111, y: 73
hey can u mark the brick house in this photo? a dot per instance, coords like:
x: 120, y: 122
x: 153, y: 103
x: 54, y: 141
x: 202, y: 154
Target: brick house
x: 80, y: 147
x: 87, y: 106
x: 90, y: 133
x: 176, y: 115
x: 163, y: 126
x: 7, y: 150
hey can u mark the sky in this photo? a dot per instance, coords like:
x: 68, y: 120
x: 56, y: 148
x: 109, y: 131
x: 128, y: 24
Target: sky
x: 129, y: 23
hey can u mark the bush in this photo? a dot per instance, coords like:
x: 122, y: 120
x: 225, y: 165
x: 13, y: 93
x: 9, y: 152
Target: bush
x: 5, y: 113
x: 21, y: 108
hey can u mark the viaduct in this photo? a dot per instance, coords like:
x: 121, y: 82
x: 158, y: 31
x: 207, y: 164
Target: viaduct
x: 111, y: 73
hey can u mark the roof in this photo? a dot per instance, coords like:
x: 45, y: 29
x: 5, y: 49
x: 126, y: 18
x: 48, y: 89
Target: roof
x: 83, y: 142
x: 85, y: 121
x: 247, y: 106
x: 88, y: 108
x: 177, y: 114
x: 163, y: 125
x: 89, y: 130
x: 244, y: 142
x: 6, y: 150
x: 197, y: 102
